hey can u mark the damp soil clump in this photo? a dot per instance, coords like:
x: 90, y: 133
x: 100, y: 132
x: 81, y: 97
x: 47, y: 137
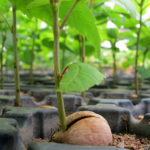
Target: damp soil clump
x: 131, y: 141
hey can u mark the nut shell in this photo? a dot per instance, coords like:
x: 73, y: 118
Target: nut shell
x: 85, y: 128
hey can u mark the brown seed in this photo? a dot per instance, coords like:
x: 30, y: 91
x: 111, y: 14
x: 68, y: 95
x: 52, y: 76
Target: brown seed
x: 85, y: 128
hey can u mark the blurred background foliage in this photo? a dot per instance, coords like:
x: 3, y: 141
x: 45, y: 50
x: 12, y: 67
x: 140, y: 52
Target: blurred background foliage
x: 116, y: 22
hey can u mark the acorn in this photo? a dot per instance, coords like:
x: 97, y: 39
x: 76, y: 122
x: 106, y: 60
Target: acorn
x: 85, y: 128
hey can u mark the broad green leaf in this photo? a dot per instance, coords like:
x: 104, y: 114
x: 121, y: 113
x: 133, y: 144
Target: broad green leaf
x: 36, y: 3
x: 46, y: 42
x: 83, y: 21
x: 145, y: 73
x: 128, y: 6
x: 4, y: 6
x: 80, y: 77
x: 81, y: 18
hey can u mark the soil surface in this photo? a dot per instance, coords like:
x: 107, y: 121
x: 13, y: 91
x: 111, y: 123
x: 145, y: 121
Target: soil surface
x: 131, y: 142
x: 128, y: 141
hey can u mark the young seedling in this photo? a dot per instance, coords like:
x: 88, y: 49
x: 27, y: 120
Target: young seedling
x: 32, y: 53
x: 56, y: 31
x: 113, y: 35
x: 16, y: 65
x: 82, y: 59
x: 2, y: 49
x: 114, y: 63
x: 73, y: 70
x: 32, y: 58
x: 137, y: 48
x: 1, y: 56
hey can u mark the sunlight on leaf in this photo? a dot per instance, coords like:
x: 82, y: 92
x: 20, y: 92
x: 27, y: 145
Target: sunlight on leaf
x: 128, y: 6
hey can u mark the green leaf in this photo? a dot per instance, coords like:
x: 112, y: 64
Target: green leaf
x: 4, y: 6
x: 145, y: 73
x: 81, y: 17
x: 112, y: 33
x: 128, y: 6
x: 80, y: 77
x: 83, y: 21
x: 89, y: 50
x: 36, y: 3
x: 49, y: 44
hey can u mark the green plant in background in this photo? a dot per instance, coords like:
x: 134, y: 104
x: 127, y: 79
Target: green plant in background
x: 16, y: 65
x: 3, y: 27
x: 1, y: 56
x: 113, y: 35
x: 17, y: 101
x: 141, y: 5
x: 82, y: 58
x: 132, y: 23
x: 144, y: 73
x: 144, y: 43
x: 34, y: 36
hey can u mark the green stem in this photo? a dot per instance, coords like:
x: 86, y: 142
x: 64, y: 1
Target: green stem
x: 68, y: 14
x: 61, y: 109
x: 1, y: 56
x: 82, y: 57
x: 114, y: 62
x: 32, y: 59
x: 6, y: 22
x: 16, y: 66
x: 114, y: 67
x: 137, y: 49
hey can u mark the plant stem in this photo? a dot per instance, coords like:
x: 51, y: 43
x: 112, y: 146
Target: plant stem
x: 6, y: 22
x: 114, y: 67
x: 67, y: 16
x: 32, y: 59
x: 1, y: 56
x: 144, y: 56
x: 137, y: 49
x: 64, y: 51
x: 82, y: 57
x: 61, y: 109
x: 16, y: 66
x: 114, y: 63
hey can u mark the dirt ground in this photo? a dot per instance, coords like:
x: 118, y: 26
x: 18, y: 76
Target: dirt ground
x: 131, y: 142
